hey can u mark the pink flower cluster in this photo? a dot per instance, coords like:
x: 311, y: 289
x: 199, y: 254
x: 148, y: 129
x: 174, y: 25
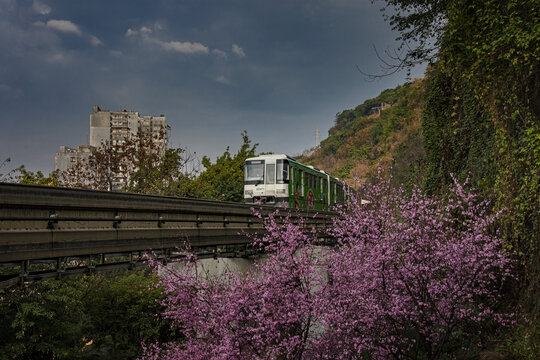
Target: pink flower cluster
x: 408, y: 275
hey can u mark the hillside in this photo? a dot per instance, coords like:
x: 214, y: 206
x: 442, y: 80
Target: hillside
x: 381, y: 132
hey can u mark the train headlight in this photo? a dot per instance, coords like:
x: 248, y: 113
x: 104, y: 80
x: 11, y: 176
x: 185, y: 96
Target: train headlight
x: 281, y: 191
x: 248, y: 192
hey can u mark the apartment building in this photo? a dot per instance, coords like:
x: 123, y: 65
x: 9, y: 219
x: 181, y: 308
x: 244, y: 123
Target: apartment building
x: 114, y: 128
x: 67, y: 157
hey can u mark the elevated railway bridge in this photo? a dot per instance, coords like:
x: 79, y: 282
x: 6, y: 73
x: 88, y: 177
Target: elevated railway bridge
x: 71, y: 231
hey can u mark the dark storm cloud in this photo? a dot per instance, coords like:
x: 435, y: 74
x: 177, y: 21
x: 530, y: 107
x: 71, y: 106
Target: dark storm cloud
x: 276, y: 69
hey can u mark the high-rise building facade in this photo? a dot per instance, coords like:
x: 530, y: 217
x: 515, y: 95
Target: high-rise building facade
x: 114, y: 128
x: 67, y: 157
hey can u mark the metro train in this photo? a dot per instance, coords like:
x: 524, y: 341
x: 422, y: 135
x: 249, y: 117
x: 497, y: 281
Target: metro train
x: 282, y: 181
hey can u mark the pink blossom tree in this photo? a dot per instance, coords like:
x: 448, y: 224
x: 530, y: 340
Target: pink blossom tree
x: 267, y: 313
x: 413, y: 276
x: 410, y: 277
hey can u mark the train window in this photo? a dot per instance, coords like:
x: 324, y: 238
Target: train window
x: 302, y: 179
x: 282, y: 172
x: 254, y: 173
x: 270, y: 173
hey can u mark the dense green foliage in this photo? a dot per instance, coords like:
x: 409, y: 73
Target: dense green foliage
x: 480, y: 120
x: 224, y: 180
x: 88, y: 317
x: 459, y: 137
x: 24, y: 176
x: 172, y: 175
x: 371, y: 135
x: 350, y: 122
x: 484, y: 103
x: 492, y: 49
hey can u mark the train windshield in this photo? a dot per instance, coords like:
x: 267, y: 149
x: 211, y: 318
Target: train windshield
x: 254, y: 172
x: 282, y: 171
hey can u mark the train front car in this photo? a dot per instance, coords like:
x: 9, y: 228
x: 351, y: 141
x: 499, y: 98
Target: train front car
x: 266, y: 180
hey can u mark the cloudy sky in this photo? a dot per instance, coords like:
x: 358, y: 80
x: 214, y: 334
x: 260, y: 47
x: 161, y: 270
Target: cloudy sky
x: 278, y: 69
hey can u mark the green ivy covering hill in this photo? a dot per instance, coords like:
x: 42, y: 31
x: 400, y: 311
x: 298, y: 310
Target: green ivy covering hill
x: 382, y: 131
x: 476, y: 115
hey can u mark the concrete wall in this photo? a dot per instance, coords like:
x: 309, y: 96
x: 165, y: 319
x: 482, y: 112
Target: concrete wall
x: 100, y: 126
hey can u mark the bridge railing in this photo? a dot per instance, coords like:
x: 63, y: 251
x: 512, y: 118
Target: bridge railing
x: 38, y: 222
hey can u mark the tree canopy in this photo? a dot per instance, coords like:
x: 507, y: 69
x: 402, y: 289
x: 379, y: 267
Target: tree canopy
x: 224, y: 179
x: 103, y: 316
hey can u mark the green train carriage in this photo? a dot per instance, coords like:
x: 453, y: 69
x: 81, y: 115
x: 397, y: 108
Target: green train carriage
x: 282, y: 181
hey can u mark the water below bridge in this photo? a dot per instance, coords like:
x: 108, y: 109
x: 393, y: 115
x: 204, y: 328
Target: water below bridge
x: 216, y: 267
